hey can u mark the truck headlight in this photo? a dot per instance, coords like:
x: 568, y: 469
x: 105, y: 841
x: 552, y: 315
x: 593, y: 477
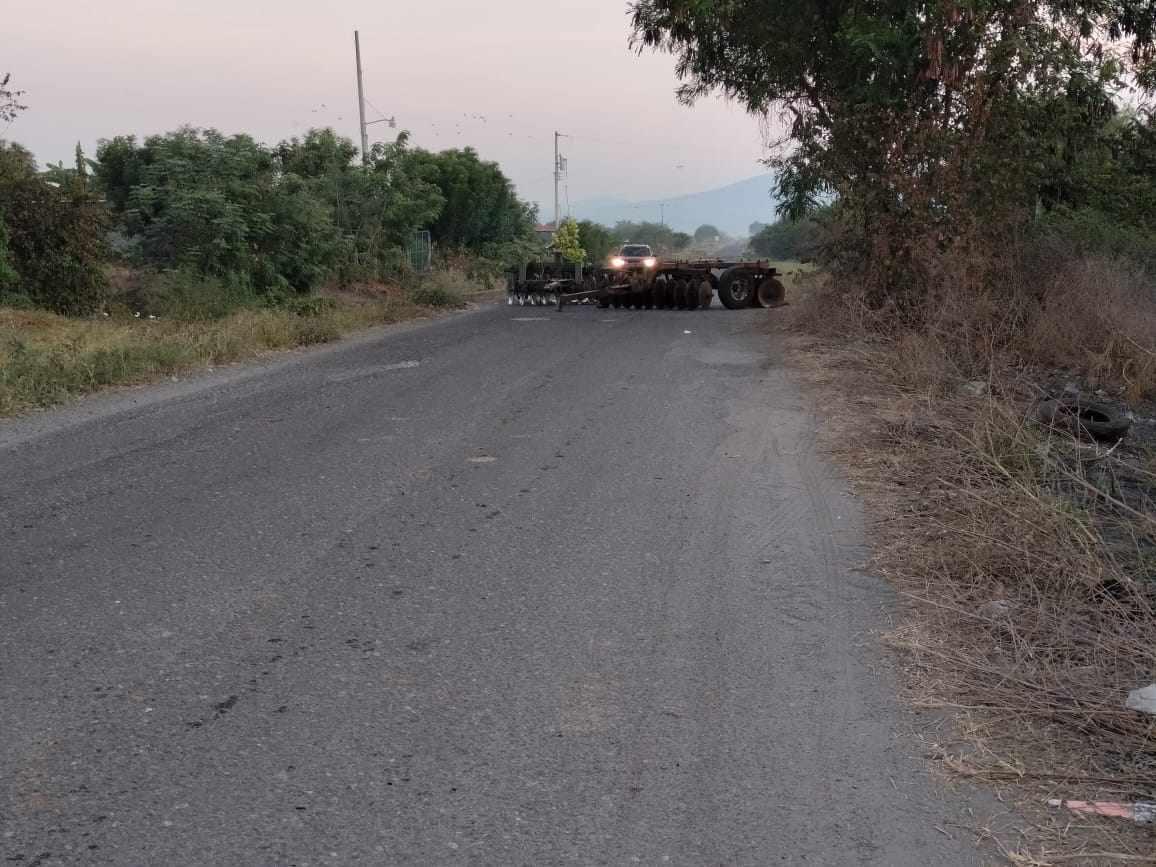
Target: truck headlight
x: 649, y: 262
x: 617, y: 262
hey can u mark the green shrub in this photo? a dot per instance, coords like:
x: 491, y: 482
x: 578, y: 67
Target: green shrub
x: 312, y: 331
x: 184, y: 295
x: 440, y: 289
x: 1090, y: 232
x: 302, y: 305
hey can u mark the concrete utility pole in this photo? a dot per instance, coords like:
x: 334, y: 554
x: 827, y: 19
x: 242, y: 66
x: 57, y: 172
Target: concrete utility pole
x: 559, y: 173
x: 361, y: 101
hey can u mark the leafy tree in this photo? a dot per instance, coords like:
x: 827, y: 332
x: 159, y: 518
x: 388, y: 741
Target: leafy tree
x: 376, y: 210
x: 934, y: 123
x: 10, y: 104
x: 119, y: 168
x: 16, y: 162
x: 659, y: 236
x: 567, y: 241
x: 8, y: 275
x: 81, y: 167
x: 596, y: 239
x: 320, y: 154
x: 788, y: 239
x: 481, y: 207
x: 707, y: 232
x: 755, y: 227
x: 218, y: 206
x: 53, y: 247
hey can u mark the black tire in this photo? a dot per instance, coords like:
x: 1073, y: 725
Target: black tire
x: 769, y: 293
x: 679, y: 294
x: 705, y: 294
x: 1084, y: 418
x: 604, y: 300
x: 616, y: 300
x: 692, y: 295
x: 734, y: 288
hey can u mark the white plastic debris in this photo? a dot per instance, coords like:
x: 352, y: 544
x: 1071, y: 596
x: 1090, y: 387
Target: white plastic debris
x: 1143, y: 700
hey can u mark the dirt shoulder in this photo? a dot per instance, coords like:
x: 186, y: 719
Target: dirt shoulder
x: 1026, y: 560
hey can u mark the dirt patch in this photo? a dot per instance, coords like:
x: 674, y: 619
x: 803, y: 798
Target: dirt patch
x: 1027, y: 562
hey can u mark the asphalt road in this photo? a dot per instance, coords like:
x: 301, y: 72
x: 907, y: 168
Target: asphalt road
x: 514, y: 587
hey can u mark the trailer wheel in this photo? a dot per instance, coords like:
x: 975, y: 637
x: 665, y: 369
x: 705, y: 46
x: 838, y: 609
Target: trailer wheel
x: 662, y: 294
x: 691, y: 295
x: 734, y: 288
x: 616, y: 300
x: 705, y: 294
x: 603, y: 301
x: 770, y: 293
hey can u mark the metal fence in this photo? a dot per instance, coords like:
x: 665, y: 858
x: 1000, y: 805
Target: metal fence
x: 421, y: 251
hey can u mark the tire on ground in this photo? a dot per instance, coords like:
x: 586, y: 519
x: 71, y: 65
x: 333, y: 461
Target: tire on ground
x: 1084, y: 418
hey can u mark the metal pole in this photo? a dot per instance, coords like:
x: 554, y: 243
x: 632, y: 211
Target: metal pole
x: 557, y: 173
x: 361, y: 101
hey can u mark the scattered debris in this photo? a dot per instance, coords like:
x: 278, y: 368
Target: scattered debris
x: 975, y: 388
x: 1084, y: 418
x: 1140, y: 812
x: 1143, y: 700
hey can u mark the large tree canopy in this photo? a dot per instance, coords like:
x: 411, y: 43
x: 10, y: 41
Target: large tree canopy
x: 925, y: 118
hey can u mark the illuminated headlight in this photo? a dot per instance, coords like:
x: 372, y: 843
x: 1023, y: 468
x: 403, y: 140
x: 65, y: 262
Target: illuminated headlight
x: 617, y: 262
x: 649, y: 262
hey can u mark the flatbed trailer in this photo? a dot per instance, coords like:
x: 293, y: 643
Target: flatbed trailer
x: 684, y: 284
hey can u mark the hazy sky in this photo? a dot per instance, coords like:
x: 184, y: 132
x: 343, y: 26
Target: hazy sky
x: 273, y: 69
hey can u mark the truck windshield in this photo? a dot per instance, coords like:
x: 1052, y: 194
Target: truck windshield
x: 635, y: 250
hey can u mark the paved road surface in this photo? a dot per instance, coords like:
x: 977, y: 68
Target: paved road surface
x: 513, y: 588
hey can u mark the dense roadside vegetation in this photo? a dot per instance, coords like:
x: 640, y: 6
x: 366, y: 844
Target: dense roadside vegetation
x: 194, y: 248
x: 977, y: 181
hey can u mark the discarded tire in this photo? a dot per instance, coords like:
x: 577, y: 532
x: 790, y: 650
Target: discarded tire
x: 1084, y: 418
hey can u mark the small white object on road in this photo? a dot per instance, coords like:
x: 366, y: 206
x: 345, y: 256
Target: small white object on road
x: 1143, y: 700
x: 687, y: 332
x: 530, y: 319
x: 482, y: 459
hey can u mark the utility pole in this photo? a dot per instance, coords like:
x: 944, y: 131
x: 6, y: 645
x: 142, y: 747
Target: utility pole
x: 662, y: 213
x: 557, y: 177
x: 559, y: 173
x: 361, y: 101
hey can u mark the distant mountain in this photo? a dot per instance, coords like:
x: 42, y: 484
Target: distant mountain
x: 731, y: 208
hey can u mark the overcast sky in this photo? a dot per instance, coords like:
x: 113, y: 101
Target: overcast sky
x: 273, y: 69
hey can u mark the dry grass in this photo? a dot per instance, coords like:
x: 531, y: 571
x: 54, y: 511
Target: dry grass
x: 1027, y: 559
x: 47, y: 359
